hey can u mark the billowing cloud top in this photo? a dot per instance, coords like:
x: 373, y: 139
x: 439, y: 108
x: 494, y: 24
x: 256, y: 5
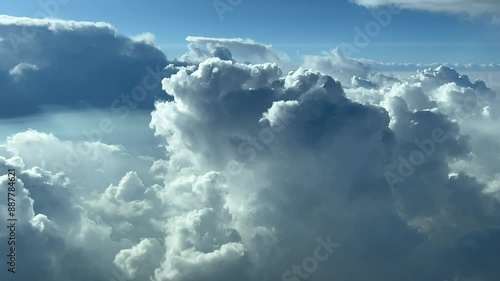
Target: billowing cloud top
x: 245, y: 50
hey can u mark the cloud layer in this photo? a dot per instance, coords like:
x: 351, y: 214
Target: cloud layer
x: 265, y: 174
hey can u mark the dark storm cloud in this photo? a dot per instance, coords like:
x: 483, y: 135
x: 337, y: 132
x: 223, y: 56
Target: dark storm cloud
x: 53, y: 63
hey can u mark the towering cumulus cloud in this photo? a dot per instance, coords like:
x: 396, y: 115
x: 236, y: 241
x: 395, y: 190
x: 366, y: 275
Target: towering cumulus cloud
x: 298, y: 160
x: 265, y: 175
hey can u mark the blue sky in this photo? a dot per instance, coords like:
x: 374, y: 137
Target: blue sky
x: 298, y: 28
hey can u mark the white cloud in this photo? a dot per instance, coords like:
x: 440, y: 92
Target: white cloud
x: 244, y: 50
x: 338, y: 66
x: 327, y: 160
x: 247, y: 187
x: 147, y: 37
x: 256, y: 166
x: 18, y: 70
x: 55, y: 24
x: 381, y: 66
x: 140, y: 260
x: 449, y: 6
